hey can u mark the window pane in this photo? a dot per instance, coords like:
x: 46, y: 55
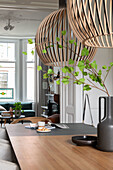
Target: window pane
x: 7, y: 51
x: 7, y: 75
x: 30, y: 48
x: 30, y: 81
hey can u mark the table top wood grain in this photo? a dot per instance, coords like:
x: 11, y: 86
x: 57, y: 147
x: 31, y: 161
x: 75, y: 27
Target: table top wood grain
x: 57, y: 153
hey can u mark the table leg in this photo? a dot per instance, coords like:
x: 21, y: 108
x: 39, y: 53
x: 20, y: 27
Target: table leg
x: 1, y: 122
x: 5, y: 121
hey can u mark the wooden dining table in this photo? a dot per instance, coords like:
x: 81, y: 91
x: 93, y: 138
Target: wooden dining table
x: 55, y: 150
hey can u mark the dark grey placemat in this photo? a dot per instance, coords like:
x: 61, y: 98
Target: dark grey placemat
x: 74, y: 129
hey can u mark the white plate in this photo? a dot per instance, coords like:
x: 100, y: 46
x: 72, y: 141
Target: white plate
x: 43, y: 131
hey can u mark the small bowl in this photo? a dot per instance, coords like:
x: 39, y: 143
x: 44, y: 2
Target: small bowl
x: 85, y: 140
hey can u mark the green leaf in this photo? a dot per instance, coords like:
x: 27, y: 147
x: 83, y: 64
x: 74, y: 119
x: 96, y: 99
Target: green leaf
x: 75, y: 43
x: 87, y: 66
x: 111, y: 64
x: 104, y: 67
x: 50, y: 71
x: 94, y: 65
x: 99, y: 80
x: 100, y: 73
x: 39, y: 68
x: 49, y: 46
x: 84, y: 73
x: 93, y: 77
x: 44, y: 51
x: 25, y: 53
x: 109, y: 67
x: 77, y: 82
x: 66, y: 69
x: 71, y: 61
x: 30, y: 41
x: 76, y: 73
x: 64, y: 32
x: 45, y: 76
x: 81, y: 65
x: 71, y: 69
x: 60, y: 46
x: 82, y: 80
x: 87, y: 61
x: 57, y: 38
x: 58, y: 82
x: 67, y: 77
x: 87, y: 88
x: 101, y: 84
x: 84, y: 52
x: 32, y: 52
x: 65, y: 81
x: 71, y: 41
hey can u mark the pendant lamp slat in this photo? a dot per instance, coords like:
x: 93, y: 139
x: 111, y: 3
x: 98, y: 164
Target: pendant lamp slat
x: 91, y: 21
x: 51, y: 28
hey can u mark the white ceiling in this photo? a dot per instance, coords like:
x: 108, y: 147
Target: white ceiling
x: 25, y: 15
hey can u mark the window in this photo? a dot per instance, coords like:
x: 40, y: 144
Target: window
x: 3, y: 79
x: 7, y: 51
x: 17, y: 70
x: 7, y: 65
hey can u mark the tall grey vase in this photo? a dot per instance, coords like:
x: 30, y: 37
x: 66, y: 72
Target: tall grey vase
x: 105, y: 126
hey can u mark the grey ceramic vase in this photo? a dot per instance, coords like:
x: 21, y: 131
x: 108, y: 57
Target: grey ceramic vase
x: 105, y: 126
x: 17, y: 113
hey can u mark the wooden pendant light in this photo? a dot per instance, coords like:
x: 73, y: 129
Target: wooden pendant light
x: 52, y: 27
x: 91, y: 21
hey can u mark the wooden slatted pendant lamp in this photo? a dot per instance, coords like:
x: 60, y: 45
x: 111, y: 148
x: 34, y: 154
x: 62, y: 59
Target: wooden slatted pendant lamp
x: 92, y: 22
x: 52, y: 27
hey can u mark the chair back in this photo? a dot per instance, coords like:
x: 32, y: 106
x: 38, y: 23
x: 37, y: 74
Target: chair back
x: 32, y: 119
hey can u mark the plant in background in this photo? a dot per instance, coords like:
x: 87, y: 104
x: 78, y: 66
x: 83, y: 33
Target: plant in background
x: 92, y: 77
x: 18, y: 106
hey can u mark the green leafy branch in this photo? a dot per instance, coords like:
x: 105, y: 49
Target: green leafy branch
x: 47, y: 43
x: 89, y: 72
x: 95, y: 78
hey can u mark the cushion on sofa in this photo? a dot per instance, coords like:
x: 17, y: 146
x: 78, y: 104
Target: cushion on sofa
x: 29, y: 113
x: 6, y: 165
x: 3, y: 134
x: 6, y: 152
x: 10, y: 104
x: 5, y: 105
x: 26, y: 105
x: 2, y: 108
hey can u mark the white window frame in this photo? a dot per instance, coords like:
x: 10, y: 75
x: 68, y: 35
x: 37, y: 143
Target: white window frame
x: 24, y: 48
x: 20, y: 90
x: 15, y: 61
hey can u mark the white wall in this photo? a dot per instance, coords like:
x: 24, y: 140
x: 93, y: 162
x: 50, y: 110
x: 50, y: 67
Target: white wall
x: 71, y: 102
x: 102, y: 57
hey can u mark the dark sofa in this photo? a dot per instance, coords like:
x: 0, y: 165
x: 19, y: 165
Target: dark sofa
x: 26, y: 106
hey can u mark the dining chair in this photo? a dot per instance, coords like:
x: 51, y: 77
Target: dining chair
x: 6, y: 165
x: 31, y: 119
